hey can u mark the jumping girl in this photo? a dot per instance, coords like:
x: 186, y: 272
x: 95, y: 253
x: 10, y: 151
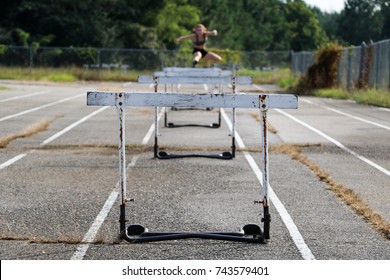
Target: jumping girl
x: 199, y: 38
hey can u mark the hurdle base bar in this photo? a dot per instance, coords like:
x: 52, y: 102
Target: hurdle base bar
x: 165, y: 155
x: 250, y: 233
x: 173, y: 125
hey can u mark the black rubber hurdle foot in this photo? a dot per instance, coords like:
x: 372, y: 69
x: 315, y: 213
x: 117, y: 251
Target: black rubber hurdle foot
x: 213, y: 125
x: 165, y: 155
x: 135, y: 230
x: 252, y: 229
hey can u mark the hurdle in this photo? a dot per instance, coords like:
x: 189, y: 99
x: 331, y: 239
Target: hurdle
x: 205, y: 78
x: 136, y: 233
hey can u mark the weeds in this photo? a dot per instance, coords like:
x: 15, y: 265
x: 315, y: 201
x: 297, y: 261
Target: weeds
x: 28, y: 132
x: 347, y: 195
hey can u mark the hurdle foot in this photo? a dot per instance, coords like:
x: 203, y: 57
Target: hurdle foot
x: 165, y: 155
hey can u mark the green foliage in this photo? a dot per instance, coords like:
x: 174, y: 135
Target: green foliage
x: 243, y: 25
x: 337, y: 93
x: 275, y: 77
x: 305, y: 31
x: 69, y: 74
x: 370, y: 97
x: 175, y: 20
x: 247, y: 25
x: 360, y: 21
x: 3, y: 48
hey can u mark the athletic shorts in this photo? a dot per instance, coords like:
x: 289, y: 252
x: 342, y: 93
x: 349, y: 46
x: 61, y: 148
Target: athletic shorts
x: 202, y: 51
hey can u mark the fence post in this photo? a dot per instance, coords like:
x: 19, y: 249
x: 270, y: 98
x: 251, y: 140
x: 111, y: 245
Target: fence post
x: 31, y: 58
x: 388, y: 51
x: 362, y: 64
x: 349, y: 70
x: 99, y: 59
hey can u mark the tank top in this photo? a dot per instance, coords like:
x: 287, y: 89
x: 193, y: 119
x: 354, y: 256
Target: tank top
x: 200, y: 43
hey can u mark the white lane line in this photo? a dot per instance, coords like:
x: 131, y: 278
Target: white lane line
x: 92, y: 232
x: 346, y: 114
x: 40, y: 107
x: 24, y: 96
x: 19, y: 157
x: 127, y: 84
x: 337, y: 143
x: 12, y: 161
x: 385, y: 109
x: 65, y: 130
x: 151, y: 129
x: 286, y: 218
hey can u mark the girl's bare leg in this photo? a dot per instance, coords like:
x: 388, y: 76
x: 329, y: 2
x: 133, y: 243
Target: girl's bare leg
x: 212, y: 56
x: 197, y: 57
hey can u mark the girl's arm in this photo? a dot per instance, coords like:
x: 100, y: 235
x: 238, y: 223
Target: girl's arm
x: 212, y: 33
x: 177, y: 40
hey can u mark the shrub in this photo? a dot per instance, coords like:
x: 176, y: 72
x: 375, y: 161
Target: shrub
x: 323, y: 73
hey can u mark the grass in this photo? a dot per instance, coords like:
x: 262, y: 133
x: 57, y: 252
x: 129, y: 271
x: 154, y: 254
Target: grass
x: 281, y: 77
x: 28, y: 132
x: 368, y: 96
x: 70, y: 74
x: 348, y: 196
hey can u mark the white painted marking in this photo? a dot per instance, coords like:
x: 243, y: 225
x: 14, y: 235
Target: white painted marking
x: 151, y: 129
x: 92, y: 232
x: 24, y: 96
x: 58, y: 134
x: 40, y: 107
x: 127, y: 84
x: 346, y: 114
x: 12, y: 161
x: 385, y: 109
x: 18, y: 157
x: 337, y: 143
x: 288, y: 221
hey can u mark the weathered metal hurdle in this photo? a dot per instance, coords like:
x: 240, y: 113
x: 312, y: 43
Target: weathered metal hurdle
x: 200, y: 77
x: 250, y: 233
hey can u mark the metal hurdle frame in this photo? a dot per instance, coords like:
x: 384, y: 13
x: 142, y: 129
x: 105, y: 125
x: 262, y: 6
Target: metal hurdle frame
x: 250, y: 233
x: 213, y: 80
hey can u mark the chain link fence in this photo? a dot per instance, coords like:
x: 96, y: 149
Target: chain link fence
x: 359, y: 66
x: 135, y: 59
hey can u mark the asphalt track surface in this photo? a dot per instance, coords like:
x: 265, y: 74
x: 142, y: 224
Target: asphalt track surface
x: 59, y: 193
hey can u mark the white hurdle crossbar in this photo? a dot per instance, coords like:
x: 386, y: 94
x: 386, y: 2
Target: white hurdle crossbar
x: 206, y: 76
x: 263, y: 102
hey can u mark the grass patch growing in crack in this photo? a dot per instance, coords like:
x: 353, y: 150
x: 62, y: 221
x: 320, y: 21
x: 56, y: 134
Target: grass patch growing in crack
x: 28, y: 132
x: 347, y: 195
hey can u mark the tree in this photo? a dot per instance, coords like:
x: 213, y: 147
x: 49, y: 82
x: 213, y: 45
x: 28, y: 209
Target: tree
x: 246, y: 24
x: 328, y: 22
x: 305, y: 31
x: 385, y: 12
x: 175, y: 19
x: 360, y: 21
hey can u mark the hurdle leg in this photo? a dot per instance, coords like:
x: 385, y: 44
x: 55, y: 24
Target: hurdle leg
x: 265, y: 164
x: 155, y: 147
x: 120, y: 106
x: 234, y: 87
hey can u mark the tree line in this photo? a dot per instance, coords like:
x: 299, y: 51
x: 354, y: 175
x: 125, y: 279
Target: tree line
x: 247, y: 25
